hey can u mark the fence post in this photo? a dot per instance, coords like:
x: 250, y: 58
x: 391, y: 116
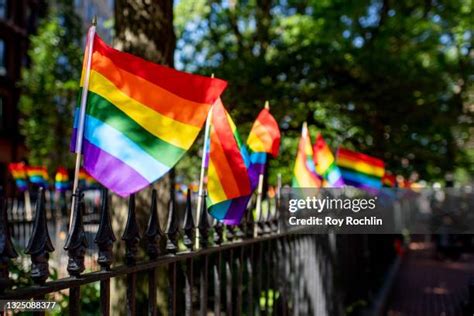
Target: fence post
x: 203, y: 242
x: 172, y: 232
x: 154, y: 235
x: 131, y: 236
x: 104, y: 239
x: 76, y: 245
x: 7, y: 250
x: 189, y: 235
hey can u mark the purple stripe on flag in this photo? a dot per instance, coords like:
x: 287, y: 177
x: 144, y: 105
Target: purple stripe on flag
x: 111, y: 172
x: 254, y: 172
x: 236, y: 210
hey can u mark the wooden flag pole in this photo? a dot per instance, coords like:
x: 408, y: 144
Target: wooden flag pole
x: 82, y: 113
x: 201, y: 192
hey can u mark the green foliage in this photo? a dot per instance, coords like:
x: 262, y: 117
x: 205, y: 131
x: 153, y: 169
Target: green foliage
x: 49, y: 86
x: 389, y: 78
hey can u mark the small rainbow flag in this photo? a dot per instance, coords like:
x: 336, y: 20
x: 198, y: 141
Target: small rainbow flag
x: 61, y: 180
x: 140, y: 117
x: 228, y: 181
x: 304, y: 173
x: 360, y: 170
x: 326, y: 164
x: 18, y: 172
x: 389, y: 180
x: 264, y: 138
x: 86, y: 181
x: 38, y: 175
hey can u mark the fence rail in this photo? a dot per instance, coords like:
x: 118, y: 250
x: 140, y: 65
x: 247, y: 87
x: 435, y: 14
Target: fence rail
x: 251, y: 269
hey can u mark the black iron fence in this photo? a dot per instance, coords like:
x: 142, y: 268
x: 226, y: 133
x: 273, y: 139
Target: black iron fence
x: 201, y: 266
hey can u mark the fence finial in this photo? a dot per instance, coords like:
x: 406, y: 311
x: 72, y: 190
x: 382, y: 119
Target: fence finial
x: 172, y: 228
x: 105, y: 235
x: 188, y: 224
x: 76, y: 243
x: 153, y: 233
x: 7, y: 250
x: 131, y: 234
x: 203, y: 225
x: 40, y: 245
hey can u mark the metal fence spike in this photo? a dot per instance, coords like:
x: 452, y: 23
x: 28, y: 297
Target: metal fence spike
x: 188, y: 224
x: 131, y: 234
x: 154, y: 234
x: 172, y: 228
x: 7, y: 250
x: 218, y: 232
x: 76, y: 243
x: 204, y: 225
x: 40, y: 245
x: 105, y: 235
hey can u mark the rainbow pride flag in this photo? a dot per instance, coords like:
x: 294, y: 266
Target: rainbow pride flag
x: 140, y: 117
x: 304, y: 172
x: 228, y: 182
x: 325, y: 164
x: 18, y: 172
x: 360, y: 170
x: 38, y: 175
x: 264, y: 139
x: 389, y: 180
x: 86, y: 181
x: 61, y: 180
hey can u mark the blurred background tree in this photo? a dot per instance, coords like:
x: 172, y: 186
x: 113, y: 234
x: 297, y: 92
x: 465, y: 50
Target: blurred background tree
x: 49, y: 86
x: 389, y: 78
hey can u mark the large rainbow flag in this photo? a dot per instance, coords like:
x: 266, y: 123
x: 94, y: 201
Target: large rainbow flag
x: 38, y: 175
x: 325, y: 163
x: 18, y: 172
x: 360, y: 170
x: 61, y: 180
x: 264, y: 139
x: 304, y: 173
x: 228, y: 182
x: 140, y: 117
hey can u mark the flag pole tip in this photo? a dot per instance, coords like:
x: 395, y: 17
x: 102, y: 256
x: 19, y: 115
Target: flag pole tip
x: 212, y: 75
x: 267, y: 105
x: 305, y: 125
x: 94, y: 20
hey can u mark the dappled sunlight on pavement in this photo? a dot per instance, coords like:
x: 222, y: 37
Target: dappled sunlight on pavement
x: 427, y: 286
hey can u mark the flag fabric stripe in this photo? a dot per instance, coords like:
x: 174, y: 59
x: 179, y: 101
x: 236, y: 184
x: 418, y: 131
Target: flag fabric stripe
x: 18, y: 171
x: 159, y: 125
x: 101, y: 135
x: 140, y: 117
x: 227, y: 173
x: 265, y: 134
x: 137, y: 88
x: 360, y: 170
x: 112, y: 172
x: 357, y: 177
x: 325, y: 164
x: 356, y: 156
x: 360, y: 166
x: 227, y: 156
x: 214, y: 184
x: 204, y: 89
x: 304, y: 174
x: 105, y: 111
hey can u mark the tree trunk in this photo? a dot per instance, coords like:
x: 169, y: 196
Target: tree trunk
x: 145, y: 29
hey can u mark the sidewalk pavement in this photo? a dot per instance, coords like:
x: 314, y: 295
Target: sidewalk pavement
x: 426, y: 286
